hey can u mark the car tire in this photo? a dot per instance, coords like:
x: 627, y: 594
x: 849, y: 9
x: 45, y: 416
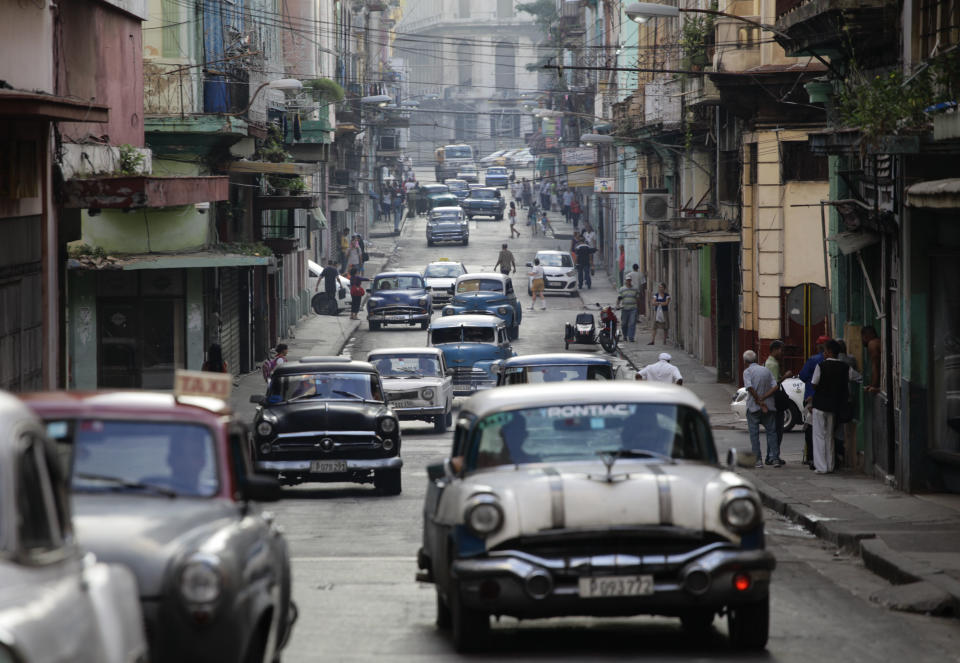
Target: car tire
x: 374, y: 326
x: 429, y: 242
x: 749, y: 624
x: 470, y: 216
x: 440, y: 424
x: 466, y: 241
x: 424, y: 325
x: 470, y: 627
x: 697, y: 621
x: 791, y: 418
x: 513, y: 332
x: 499, y: 217
x: 444, y: 620
x: 387, y: 482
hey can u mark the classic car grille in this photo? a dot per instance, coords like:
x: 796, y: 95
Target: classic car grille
x: 440, y: 294
x: 596, y: 544
x: 469, y: 378
x: 399, y: 310
x: 340, y: 443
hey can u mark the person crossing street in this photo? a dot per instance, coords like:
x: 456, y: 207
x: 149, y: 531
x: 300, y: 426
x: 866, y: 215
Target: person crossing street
x: 627, y: 298
x: 505, y: 261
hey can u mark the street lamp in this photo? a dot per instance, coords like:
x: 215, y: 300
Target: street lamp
x: 380, y: 100
x: 641, y: 12
x: 285, y: 84
x: 596, y: 139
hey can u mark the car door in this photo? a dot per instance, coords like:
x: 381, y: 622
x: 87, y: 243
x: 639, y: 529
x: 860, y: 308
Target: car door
x: 446, y: 386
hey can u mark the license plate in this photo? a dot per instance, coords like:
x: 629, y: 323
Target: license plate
x: 401, y: 404
x: 613, y: 586
x: 397, y: 318
x: 328, y: 466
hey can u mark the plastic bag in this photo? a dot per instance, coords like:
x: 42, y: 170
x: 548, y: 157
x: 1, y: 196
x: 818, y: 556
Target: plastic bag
x: 660, y: 317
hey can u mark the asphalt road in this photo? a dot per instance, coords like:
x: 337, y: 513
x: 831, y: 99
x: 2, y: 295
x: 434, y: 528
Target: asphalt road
x: 354, y: 552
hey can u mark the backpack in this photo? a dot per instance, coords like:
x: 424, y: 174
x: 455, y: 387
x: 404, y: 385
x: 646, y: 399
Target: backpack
x: 267, y: 368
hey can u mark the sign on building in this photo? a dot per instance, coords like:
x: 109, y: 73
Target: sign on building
x: 603, y: 185
x: 580, y: 176
x: 578, y: 156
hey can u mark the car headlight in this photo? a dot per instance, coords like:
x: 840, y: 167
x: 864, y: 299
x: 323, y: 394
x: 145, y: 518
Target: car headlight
x: 388, y: 425
x: 740, y: 510
x: 427, y: 394
x: 423, y: 302
x: 264, y: 428
x: 201, y: 579
x: 448, y: 311
x: 503, y: 310
x: 483, y: 515
x: 572, y: 272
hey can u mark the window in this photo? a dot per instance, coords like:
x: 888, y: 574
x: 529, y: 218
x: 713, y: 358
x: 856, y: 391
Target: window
x: 505, y: 73
x: 799, y: 164
x: 465, y: 65
x: 938, y: 26
x: 326, y: 386
x: 729, y: 177
x: 38, y: 527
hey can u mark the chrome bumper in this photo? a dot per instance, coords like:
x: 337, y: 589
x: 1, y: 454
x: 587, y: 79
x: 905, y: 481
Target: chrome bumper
x: 408, y: 318
x: 352, y: 465
x: 414, y: 412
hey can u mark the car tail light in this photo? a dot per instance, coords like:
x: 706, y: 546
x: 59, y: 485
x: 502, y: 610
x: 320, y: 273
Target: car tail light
x: 741, y: 582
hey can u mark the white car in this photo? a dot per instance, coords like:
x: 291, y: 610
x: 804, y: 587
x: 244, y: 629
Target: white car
x: 493, y: 158
x: 468, y: 173
x: 440, y: 277
x: 417, y: 383
x: 559, y: 273
x: 558, y: 500
x: 521, y: 159
x: 313, y: 275
x: 795, y: 414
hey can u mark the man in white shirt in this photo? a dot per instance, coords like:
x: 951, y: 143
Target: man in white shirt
x: 661, y: 371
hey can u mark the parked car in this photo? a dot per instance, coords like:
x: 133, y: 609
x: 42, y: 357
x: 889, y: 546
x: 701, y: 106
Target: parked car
x: 418, y: 384
x: 57, y: 603
x: 459, y: 188
x: 521, y: 159
x: 489, y: 293
x: 468, y: 173
x: 343, y: 284
x: 554, y: 367
x: 398, y: 298
x: 619, y: 507
x: 447, y: 224
x: 326, y: 419
x: 470, y: 345
x: 164, y: 485
x: 559, y: 273
x: 440, y: 277
x: 494, y: 158
x: 795, y: 414
x: 496, y: 176
x: 484, y: 202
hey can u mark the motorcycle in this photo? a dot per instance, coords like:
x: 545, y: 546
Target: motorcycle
x: 584, y: 330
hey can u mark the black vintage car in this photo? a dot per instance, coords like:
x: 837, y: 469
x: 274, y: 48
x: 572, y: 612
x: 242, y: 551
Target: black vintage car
x: 325, y: 419
x: 484, y: 202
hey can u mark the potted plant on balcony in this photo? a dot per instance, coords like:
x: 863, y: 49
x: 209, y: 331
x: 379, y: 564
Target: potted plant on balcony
x: 279, y: 185
x: 297, y: 186
x: 325, y: 90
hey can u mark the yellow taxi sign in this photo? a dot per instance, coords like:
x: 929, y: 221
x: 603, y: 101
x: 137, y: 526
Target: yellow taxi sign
x: 443, y: 259
x: 202, y: 383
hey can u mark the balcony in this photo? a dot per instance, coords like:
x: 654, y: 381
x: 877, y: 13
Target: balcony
x: 828, y: 26
x: 142, y: 191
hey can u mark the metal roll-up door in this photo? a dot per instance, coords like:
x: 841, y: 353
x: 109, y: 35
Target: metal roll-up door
x: 230, y: 318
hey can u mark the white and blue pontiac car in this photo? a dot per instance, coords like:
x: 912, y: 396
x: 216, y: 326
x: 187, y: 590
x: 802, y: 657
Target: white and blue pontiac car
x: 609, y: 501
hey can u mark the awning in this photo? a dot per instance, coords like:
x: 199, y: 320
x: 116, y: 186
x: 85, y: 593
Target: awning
x: 283, y: 168
x: 317, y: 215
x: 848, y: 243
x: 712, y: 237
x: 40, y: 106
x: 935, y: 194
x: 171, y: 261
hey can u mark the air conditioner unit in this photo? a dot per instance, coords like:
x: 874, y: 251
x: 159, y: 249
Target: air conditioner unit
x: 654, y: 207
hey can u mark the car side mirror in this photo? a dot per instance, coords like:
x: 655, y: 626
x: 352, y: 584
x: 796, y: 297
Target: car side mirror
x: 255, y: 398
x: 261, y: 488
x: 731, y: 458
x: 449, y: 372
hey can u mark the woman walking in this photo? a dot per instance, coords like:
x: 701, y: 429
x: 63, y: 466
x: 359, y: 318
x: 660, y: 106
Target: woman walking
x: 513, y: 220
x: 354, y: 255
x: 536, y: 284
x: 356, y: 292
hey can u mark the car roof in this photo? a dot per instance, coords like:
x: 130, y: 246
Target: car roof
x: 392, y: 274
x: 325, y: 365
x: 486, y: 188
x: 114, y: 402
x: 414, y: 350
x: 482, y: 275
x: 503, y: 168
x: 558, y: 359
x: 552, y: 252
x: 470, y: 320
x: 517, y: 397
x: 445, y: 262
x: 446, y: 209
x: 454, y: 180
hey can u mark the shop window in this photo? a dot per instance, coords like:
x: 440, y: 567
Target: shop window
x: 799, y: 164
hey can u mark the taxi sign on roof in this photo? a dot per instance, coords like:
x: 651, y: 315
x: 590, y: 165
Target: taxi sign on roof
x: 202, y: 383
x: 443, y: 259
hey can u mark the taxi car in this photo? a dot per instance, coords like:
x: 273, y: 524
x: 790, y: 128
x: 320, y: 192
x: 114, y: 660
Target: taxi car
x: 485, y: 201
x: 325, y: 419
x: 558, y: 500
x: 440, y: 277
x: 164, y: 485
x: 447, y: 224
x: 559, y: 273
x: 554, y: 367
x: 471, y: 344
x: 417, y: 383
x: 496, y: 176
x: 58, y: 604
x: 398, y: 298
x: 487, y: 293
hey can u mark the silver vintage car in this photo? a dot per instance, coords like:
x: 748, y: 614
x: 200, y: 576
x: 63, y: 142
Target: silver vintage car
x: 57, y: 604
x: 418, y: 384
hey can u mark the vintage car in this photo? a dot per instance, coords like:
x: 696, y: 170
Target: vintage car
x: 431, y: 189
x: 558, y: 500
x: 521, y: 159
x: 459, y: 188
x: 484, y: 201
x: 417, y: 383
x: 554, y: 367
x: 163, y: 485
x: 794, y: 414
x: 58, y: 604
x: 445, y: 199
x: 496, y: 176
x: 468, y: 173
x: 494, y: 158
x: 487, y: 293
x: 559, y: 273
x: 471, y: 344
x: 398, y: 298
x: 447, y: 224
x: 325, y: 419
x: 440, y: 277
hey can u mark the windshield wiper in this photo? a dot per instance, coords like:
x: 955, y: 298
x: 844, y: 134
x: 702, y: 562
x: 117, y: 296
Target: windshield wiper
x: 639, y: 453
x: 348, y: 394
x: 124, y: 483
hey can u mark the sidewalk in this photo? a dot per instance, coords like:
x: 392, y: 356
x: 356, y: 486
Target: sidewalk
x: 913, y: 541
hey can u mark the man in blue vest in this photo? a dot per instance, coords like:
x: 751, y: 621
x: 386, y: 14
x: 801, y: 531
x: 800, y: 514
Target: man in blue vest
x: 830, y: 394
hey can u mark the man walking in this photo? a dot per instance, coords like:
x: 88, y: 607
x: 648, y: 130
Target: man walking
x: 583, y: 253
x: 627, y: 299
x: 830, y: 395
x: 590, y: 237
x: 761, y: 409
x: 780, y: 399
x: 661, y: 371
x: 567, y: 200
x: 505, y: 261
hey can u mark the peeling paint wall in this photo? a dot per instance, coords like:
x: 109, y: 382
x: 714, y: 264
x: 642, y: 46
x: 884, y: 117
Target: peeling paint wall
x: 82, y: 330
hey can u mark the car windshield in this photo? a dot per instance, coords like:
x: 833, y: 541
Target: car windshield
x: 496, y: 171
x: 458, y: 152
x: 326, y: 386
x: 538, y: 374
x: 446, y: 270
x: 463, y: 334
x: 407, y: 365
x: 403, y: 282
x: 468, y: 169
x: 577, y: 432
x: 484, y: 194
x: 555, y: 259
x: 474, y: 285
x: 456, y: 185
x: 435, y: 188
x: 444, y: 216
x: 149, y: 457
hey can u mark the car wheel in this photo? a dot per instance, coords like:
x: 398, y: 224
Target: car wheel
x: 424, y: 325
x: 374, y: 326
x: 697, y: 621
x: 513, y: 332
x: 470, y: 627
x: 387, y: 482
x: 749, y: 624
x: 429, y: 242
x: 450, y: 416
x: 470, y: 216
x: 444, y: 620
x: 791, y: 418
x: 440, y: 424
x: 499, y: 217
x: 466, y: 240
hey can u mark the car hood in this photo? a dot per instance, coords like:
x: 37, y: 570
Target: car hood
x: 332, y: 415
x: 480, y: 299
x: 439, y: 282
x: 459, y: 355
x: 145, y: 533
x: 556, y: 271
x: 403, y: 384
x: 493, y: 202
x: 388, y: 297
x: 685, y: 495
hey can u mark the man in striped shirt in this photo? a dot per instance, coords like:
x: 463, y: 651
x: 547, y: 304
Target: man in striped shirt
x: 627, y: 299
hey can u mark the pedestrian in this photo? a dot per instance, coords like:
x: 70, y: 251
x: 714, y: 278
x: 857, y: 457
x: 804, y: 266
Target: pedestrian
x: 761, y: 409
x: 661, y: 313
x: 214, y: 362
x: 354, y: 254
x: 634, y: 275
x: 545, y: 195
x: 780, y: 399
x: 505, y: 261
x: 830, y: 400
x: 627, y: 299
x: 872, y: 343
x: 621, y: 260
x: 661, y: 371
x: 271, y: 363
x: 397, y: 212
x: 532, y: 217
x: 583, y: 254
x: 386, y: 204
x: 356, y: 292
x: 590, y: 237
x: 545, y: 223
x: 536, y: 284
x: 512, y: 215
x: 567, y: 202
x: 412, y: 202
x: 575, y: 211
x: 525, y: 194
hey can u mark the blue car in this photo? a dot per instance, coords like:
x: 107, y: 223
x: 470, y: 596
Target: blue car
x: 487, y: 293
x: 398, y: 298
x: 496, y: 176
x: 471, y: 345
x: 554, y: 367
